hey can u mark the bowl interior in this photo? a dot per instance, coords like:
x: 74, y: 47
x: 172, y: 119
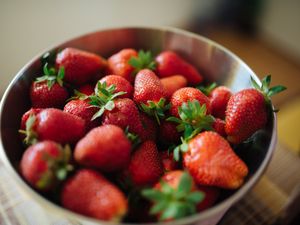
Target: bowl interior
x: 213, y: 61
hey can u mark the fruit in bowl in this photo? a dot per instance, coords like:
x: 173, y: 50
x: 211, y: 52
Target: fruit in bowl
x: 139, y: 138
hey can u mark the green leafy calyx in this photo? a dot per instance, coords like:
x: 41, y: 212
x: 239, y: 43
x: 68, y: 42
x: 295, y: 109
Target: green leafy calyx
x: 156, y: 109
x: 104, y: 98
x: 51, y: 76
x: 31, y: 136
x: 174, y: 203
x: 144, y: 60
x: 57, y: 168
x: 207, y: 89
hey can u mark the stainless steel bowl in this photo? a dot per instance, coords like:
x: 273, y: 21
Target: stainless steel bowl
x: 214, y: 61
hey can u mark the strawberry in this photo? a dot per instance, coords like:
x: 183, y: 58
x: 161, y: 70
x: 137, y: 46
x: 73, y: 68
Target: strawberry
x: 168, y: 132
x: 125, y: 114
x: 80, y: 66
x: 83, y: 109
x: 91, y: 194
x: 145, y: 165
x: 187, y: 94
x: 211, y: 195
x: 219, y: 98
x: 212, y: 162
x: 149, y: 94
x: 105, y: 148
x: 192, y: 119
x: 175, y: 196
x: 247, y: 110
x: 103, y: 99
x: 169, y: 63
x: 168, y: 161
x: 121, y: 85
x: 48, y: 91
x: 86, y: 89
x: 54, y: 124
x: 26, y: 115
x: 118, y: 64
x: 44, y: 164
x: 150, y: 127
x: 219, y: 126
x: 172, y: 84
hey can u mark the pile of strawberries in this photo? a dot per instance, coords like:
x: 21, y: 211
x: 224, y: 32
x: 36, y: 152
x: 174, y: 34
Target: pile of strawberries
x: 133, y: 138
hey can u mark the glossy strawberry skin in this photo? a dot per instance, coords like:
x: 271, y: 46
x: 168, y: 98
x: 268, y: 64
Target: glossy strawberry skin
x: 91, y: 194
x: 187, y: 94
x: 173, y: 83
x: 43, y: 97
x: 168, y: 133
x: 147, y: 87
x: 149, y: 126
x: 169, y: 63
x: 57, y: 125
x: 168, y: 161
x: 86, y: 89
x: 121, y: 85
x: 211, y: 195
x: 84, y: 110
x: 219, y: 126
x: 246, y: 113
x: 105, y: 148
x: 34, y: 163
x: 219, y: 98
x: 32, y: 111
x: 118, y: 64
x: 80, y: 66
x: 125, y: 114
x: 145, y: 166
x: 212, y: 162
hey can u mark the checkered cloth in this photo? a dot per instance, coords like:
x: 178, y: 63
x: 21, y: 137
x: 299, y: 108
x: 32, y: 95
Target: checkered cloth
x: 262, y: 205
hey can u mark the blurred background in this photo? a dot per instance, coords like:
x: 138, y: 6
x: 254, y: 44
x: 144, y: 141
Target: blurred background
x: 263, y: 33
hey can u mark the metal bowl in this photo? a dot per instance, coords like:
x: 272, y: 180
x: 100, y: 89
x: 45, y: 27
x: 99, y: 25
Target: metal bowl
x: 214, y: 61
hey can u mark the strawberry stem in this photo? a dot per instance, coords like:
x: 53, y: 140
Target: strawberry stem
x: 207, y: 89
x: 156, y: 109
x: 31, y: 136
x: 51, y: 77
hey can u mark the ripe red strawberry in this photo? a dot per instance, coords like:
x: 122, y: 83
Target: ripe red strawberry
x: 247, y: 110
x: 44, y: 164
x: 118, y: 64
x: 168, y: 161
x: 83, y: 109
x: 105, y: 148
x: 48, y: 91
x: 219, y: 98
x: 121, y: 85
x: 91, y: 194
x: 168, y: 133
x: 149, y: 93
x: 150, y: 127
x: 86, y: 89
x: 211, y: 195
x: 186, y: 94
x: 211, y: 161
x: 169, y: 63
x: 173, y: 83
x: 174, y: 197
x: 219, y: 126
x: 54, y: 124
x: 80, y: 66
x: 125, y: 114
x: 26, y: 115
x: 145, y: 166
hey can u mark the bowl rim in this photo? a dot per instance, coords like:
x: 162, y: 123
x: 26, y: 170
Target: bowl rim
x: 221, y: 207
